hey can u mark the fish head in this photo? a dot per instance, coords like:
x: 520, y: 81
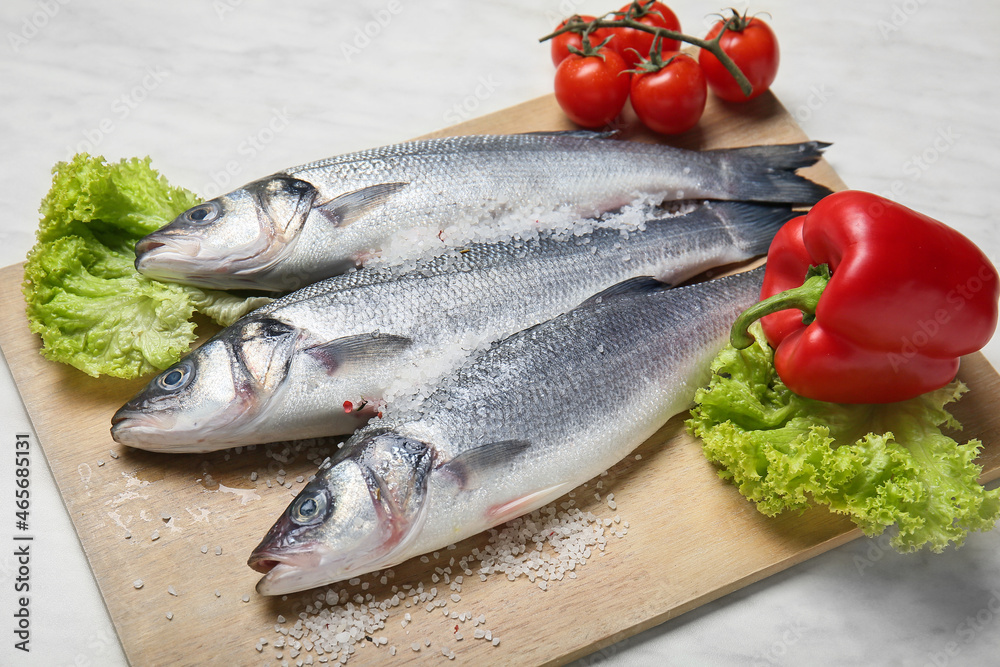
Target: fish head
x: 214, y: 396
x: 231, y: 241
x: 358, y: 514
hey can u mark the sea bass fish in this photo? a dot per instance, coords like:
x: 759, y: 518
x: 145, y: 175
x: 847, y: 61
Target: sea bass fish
x: 526, y: 421
x: 303, y: 365
x: 320, y: 219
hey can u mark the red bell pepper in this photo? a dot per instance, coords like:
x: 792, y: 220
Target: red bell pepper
x: 893, y: 300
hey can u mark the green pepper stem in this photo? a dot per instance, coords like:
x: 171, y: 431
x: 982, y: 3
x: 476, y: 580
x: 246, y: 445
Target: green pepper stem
x: 804, y: 298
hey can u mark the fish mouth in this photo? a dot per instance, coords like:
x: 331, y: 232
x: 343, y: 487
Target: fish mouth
x: 167, y: 258
x: 143, y: 430
x: 292, y: 571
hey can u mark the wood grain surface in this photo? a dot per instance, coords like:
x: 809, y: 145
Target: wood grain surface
x: 692, y: 538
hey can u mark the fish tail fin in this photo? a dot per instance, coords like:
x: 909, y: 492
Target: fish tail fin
x: 753, y: 226
x: 767, y: 173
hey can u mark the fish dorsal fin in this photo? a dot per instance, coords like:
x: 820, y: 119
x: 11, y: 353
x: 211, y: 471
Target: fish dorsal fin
x: 468, y: 468
x: 351, y: 353
x: 344, y: 209
x: 578, y: 134
x: 637, y: 285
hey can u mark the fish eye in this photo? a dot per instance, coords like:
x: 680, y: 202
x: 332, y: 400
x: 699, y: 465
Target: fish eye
x: 175, y: 378
x: 203, y: 213
x: 308, y: 508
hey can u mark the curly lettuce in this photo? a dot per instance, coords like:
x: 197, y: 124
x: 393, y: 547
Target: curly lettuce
x: 84, y: 297
x: 881, y: 465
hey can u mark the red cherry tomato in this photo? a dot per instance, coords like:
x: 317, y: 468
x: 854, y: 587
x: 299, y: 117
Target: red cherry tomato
x: 592, y: 90
x: 628, y: 41
x: 672, y: 99
x: 561, y: 43
x: 753, y: 47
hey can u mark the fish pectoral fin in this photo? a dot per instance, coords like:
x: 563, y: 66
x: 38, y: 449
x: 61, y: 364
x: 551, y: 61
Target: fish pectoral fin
x: 636, y: 285
x: 344, y: 209
x: 351, y: 353
x: 468, y: 468
x: 514, y: 508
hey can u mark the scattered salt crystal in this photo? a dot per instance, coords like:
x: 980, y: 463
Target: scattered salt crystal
x: 172, y: 591
x: 137, y: 583
x: 425, y: 559
x: 100, y: 462
x: 113, y: 454
x: 638, y: 457
x: 496, y: 641
x: 218, y: 594
x: 355, y: 581
x: 155, y: 536
x: 218, y: 551
x: 281, y: 619
x: 455, y: 597
x: 170, y: 615
x: 246, y: 598
x: 204, y: 548
x: 253, y: 476
x: 489, y: 635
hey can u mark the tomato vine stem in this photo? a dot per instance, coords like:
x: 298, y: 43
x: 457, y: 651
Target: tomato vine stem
x: 711, y: 45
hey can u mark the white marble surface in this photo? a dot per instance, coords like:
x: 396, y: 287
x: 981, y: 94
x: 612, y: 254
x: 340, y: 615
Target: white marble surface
x: 229, y: 90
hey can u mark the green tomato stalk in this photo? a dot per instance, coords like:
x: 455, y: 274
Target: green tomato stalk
x: 626, y: 21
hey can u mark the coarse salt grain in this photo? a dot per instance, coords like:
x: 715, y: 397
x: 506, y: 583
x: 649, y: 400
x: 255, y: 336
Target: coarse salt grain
x: 137, y: 583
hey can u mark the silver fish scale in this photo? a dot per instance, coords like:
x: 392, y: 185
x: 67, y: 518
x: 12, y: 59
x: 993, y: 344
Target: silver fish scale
x: 454, y: 177
x: 479, y: 290
x: 278, y: 235
x: 606, y: 357
x: 583, y: 389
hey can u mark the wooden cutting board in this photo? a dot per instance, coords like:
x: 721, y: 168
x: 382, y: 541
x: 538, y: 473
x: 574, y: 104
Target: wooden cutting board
x: 691, y: 539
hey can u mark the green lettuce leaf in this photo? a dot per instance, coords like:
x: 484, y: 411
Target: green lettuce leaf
x: 85, y: 299
x: 881, y: 465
